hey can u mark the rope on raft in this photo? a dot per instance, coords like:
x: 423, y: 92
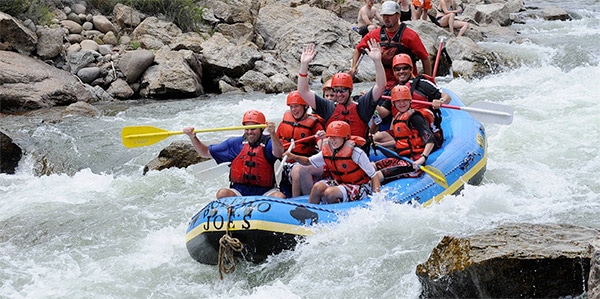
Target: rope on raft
x: 227, y: 245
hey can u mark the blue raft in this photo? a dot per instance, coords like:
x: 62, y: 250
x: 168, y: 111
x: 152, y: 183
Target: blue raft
x: 266, y: 225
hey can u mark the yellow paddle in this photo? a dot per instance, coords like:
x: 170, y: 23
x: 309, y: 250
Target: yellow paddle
x: 136, y: 136
x: 437, y: 176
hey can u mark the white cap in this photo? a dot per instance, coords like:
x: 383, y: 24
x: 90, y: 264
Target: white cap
x: 389, y: 8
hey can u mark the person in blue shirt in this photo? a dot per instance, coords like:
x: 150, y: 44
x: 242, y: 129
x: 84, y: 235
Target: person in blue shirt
x: 252, y: 158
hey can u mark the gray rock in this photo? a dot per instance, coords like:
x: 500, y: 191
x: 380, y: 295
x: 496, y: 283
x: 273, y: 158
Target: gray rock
x: 79, y: 60
x: 88, y: 74
x: 120, y: 89
x: 30, y: 84
x: 175, y: 75
x: 178, y: 154
x: 16, y: 35
x: 153, y: 33
x: 103, y: 24
x: 81, y: 109
x: 126, y: 16
x: 134, y: 63
x: 50, y: 42
x: 11, y: 154
x: 72, y: 26
x: 513, y: 261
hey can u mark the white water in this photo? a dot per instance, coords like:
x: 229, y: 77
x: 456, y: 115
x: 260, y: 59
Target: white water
x: 106, y: 231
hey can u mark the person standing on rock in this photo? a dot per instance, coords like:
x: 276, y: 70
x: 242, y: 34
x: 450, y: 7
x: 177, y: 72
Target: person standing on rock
x: 395, y: 38
x: 252, y: 157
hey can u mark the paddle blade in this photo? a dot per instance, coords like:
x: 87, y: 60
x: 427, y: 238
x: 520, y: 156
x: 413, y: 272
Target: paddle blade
x: 491, y: 112
x: 437, y: 176
x: 137, y: 136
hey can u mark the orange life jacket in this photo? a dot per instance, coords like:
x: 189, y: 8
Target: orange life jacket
x: 251, y: 166
x: 408, y: 141
x: 349, y: 114
x: 340, y: 164
x: 290, y: 129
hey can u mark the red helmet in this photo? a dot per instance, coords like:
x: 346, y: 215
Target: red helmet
x: 338, y: 128
x: 402, y: 59
x: 254, y: 116
x: 295, y: 98
x: 327, y: 84
x: 341, y: 79
x: 401, y: 92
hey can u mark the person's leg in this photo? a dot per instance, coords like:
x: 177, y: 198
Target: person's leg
x: 382, y: 137
x: 226, y: 192
x: 464, y: 26
x: 451, y: 23
x: 317, y: 192
x: 334, y: 194
x: 303, y: 178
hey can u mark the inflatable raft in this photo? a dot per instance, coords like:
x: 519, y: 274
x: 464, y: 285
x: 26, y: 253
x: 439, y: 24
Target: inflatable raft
x: 262, y: 226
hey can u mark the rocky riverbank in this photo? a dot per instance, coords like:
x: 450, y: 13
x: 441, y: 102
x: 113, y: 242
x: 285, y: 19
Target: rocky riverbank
x: 84, y: 57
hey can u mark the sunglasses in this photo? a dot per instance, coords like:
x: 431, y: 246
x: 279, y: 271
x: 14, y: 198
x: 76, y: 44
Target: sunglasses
x: 401, y: 68
x: 340, y: 90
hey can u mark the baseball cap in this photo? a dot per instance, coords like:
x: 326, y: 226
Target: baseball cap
x: 389, y: 8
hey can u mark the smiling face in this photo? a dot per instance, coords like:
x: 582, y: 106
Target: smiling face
x: 336, y: 142
x: 298, y: 111
x: 252, y: 135
x: 402, y: 105
x: 403, y: 72
x: 341, y: 94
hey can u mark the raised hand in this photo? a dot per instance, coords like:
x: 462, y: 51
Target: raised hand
x: 374, y: 50
x: 308, y: 53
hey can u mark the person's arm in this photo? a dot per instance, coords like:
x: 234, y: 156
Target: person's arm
x: 201, y: 148
x: 308, y: 53
x: 426, y: 66
x: 362, y: 159
x: 418, y: 122
x: 374, y: 52
x: 363, y: 17
x: 276, y: 143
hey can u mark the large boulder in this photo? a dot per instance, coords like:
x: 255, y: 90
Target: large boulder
x: 16, y: 35
x: 29, y: 84
x: 178, y: 154
x: 512, y: 261
x: 176, y: 74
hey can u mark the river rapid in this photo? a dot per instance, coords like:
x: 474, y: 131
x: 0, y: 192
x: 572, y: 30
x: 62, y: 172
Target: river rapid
x: 104, y: 230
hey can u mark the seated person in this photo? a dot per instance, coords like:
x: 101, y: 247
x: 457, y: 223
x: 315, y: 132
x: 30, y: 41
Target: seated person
x: 353, y: 175
x: 366, y: 14
x: 412, y: 138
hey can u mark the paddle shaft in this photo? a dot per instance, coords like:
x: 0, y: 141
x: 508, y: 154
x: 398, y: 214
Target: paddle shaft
x: 136, y: 136
x: 437, y: 57
x: 170, y: 133
x: 437, y: 176
x: 496, y: 116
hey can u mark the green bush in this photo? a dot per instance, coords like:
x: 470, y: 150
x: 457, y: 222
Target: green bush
x: 185, y: 13
x: 36, y: 10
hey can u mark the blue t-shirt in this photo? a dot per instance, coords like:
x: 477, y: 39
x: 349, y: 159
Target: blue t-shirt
x: 228, y: 150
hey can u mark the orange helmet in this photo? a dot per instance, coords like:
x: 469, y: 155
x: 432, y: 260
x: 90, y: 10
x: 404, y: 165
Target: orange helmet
x: 254, y: 116
x: 327, y: 84
x: 295, y: 98
x: 338, y: 128
x: 402, y: 59
x: 401, y: 92
x: 341, y: 79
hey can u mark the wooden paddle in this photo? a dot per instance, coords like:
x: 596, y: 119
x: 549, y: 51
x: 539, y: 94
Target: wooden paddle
x: 481, y: 111
x: 437, y: 176
x: 137, y: 136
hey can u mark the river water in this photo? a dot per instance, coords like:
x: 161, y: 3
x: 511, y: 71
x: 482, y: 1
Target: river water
x: 104, y: 230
